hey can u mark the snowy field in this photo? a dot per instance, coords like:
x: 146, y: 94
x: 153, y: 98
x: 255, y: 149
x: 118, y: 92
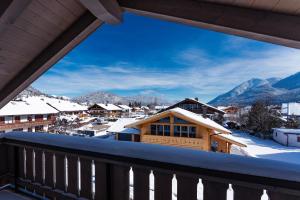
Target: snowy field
x: 266, y: 149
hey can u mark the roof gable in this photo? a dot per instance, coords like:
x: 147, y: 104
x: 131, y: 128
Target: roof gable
x: 186, y: 115
x: 194, y: 101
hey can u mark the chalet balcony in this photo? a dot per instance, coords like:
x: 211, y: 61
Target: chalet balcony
x: 65, y: 167
x: 194, y: 143
x: 17, y: 125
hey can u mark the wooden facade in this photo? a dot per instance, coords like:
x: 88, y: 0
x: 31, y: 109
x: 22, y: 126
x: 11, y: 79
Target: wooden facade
x: 98, y: 110
x: 175, y: 129
x: 27, y: 123
x: 196, y: 106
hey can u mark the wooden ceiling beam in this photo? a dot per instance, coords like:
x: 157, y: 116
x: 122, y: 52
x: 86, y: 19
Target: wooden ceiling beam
x: 64, y: 43
x: 10, y: 10
x: 108, y: 11
x: 263, y: 25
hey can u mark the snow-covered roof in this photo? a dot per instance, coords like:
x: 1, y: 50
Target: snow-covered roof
x: 145, y: 107
x: 288, y: 130
x: 109, y: 106
x: 193, y: 117
x: 59, y: 104
x: 160, y: 107
x: 119, y: 126
x: 125, y: 107
x: 26, y: 108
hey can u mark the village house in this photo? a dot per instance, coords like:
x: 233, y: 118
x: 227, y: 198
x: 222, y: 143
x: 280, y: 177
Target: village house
x: 231, y: 116
x: 126, y: 110
x: 287, y: 137
x: 26, y: 116
x: 291, y: 111
x: 195, y: 106
x: 105, y: 110
x: 66, y: 106
x: 122, y: 133
x: 182, y: 128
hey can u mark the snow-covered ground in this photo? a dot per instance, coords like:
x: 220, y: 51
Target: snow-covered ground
x: 266, y: 149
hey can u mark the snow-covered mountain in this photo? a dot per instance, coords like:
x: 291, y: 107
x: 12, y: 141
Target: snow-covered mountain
x: 106, y: 97
x: 30, y: 91
x: 289, y: 83
x: 274, y: 90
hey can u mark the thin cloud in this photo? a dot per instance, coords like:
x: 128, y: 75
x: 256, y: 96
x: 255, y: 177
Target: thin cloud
x: 201, y: 74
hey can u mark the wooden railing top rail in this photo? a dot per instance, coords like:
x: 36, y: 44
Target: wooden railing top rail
x: 267, y: 173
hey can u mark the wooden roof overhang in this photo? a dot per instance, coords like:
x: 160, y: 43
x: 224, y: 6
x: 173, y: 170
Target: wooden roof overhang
x: 174, y: 113
x: 229, y: 140
x: 35, y: 34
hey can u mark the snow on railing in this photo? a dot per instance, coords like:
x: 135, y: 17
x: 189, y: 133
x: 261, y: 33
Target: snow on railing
x: 57, y: 166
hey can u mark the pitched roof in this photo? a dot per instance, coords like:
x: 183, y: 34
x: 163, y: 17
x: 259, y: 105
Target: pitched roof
x: 59, y: 104
x: 125, y: 107
x: 195, y: 101
x: 119, y: 126
x: 192, y: 117
x: 26, y: 108
x: 110, y: 107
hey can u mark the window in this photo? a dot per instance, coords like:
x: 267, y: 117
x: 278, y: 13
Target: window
x: 180, y: 121
x: 24, y: 118
x: 160, y: 130
x: 298, y: 139
x: 8, y: 120
x: 177, y: 131
x: 18, y: 129
x: 153, y: 129
x: 184, y: 131
x: 2, y: 131
x: 166, y: 130
x: 192, y: 132
x: 164, y: 120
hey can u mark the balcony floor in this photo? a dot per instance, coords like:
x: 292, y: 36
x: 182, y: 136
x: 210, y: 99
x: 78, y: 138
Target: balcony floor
x: 8, y: 195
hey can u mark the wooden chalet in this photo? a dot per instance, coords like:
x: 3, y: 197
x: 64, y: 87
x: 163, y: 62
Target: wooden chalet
x: 105, y: 110
x: 195, y: 106
x: 182, y: 128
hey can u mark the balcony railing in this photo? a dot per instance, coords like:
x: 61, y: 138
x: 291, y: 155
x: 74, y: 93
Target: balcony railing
x: 65, y: 167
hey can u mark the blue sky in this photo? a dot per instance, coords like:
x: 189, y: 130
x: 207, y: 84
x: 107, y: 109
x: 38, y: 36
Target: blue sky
x: 152, y: 57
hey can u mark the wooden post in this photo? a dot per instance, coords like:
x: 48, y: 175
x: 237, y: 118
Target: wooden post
x: 172, y: 125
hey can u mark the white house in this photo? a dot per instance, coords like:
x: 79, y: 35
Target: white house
x: 287, y: 137
x: 291, y: 108
x: 26, y: 116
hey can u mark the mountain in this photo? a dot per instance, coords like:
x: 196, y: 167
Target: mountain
x: 274, y: 90
x: 106, y: 97
x: 31, y: 91
x: 289, y: 83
